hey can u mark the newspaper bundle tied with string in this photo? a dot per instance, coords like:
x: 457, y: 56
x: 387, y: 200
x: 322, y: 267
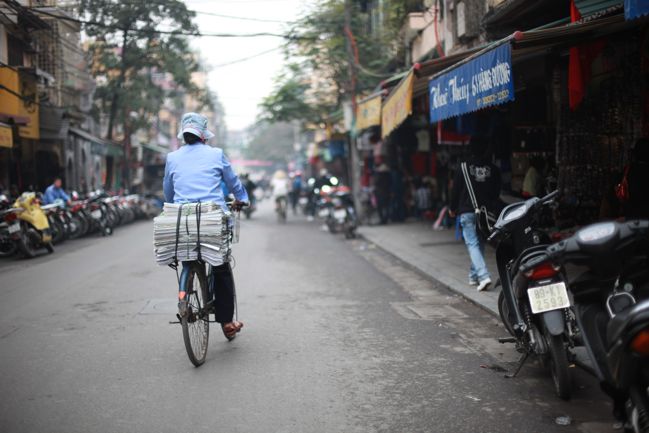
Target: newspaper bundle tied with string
x: 192, y: 231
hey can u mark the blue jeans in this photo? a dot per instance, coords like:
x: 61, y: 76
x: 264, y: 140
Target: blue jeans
x: 478, y: 269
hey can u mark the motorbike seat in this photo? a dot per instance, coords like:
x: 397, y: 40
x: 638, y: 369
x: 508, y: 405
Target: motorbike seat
x: 626, y: 320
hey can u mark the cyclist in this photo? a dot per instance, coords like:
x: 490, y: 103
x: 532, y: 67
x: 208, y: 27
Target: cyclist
x: 193, y: 173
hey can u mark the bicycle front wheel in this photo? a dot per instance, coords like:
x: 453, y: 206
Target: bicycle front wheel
x: 195, y: 322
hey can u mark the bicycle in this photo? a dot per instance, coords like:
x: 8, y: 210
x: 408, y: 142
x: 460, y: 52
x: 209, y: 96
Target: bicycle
x: 194, y: 281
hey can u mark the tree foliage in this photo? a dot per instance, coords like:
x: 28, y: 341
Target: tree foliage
x: 129, y: 55
x: 312, y: 88
x: 271, y: 142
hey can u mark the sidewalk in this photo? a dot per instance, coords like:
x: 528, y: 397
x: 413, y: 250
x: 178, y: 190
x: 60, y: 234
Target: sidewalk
x: 437, y: 254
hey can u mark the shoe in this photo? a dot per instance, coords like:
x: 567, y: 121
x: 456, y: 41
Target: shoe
x: 231, y: 329
x: 484, y: 284
x: 473, y: 282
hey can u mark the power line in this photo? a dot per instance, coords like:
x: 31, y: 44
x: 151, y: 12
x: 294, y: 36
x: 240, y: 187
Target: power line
x: 172, y: 32
x: 248, y: 58
x: 261, y: 20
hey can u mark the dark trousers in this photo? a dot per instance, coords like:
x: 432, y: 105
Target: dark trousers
x: 221, y: 283
x: 383, y: 208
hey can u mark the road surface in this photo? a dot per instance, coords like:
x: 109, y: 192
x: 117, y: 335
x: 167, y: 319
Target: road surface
x: 339, y: 337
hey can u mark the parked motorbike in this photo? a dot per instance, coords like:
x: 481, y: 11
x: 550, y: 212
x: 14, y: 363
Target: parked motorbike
x: 533, y: 304
x: 610, y: 289
x: 100, y: 219
x: 35, y: 230
x: 9, y: 228
x: 57, y: 219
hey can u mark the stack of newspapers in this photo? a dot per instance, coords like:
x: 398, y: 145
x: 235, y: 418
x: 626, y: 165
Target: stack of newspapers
x: 214, y: 233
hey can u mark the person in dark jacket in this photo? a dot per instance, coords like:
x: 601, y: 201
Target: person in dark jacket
x: 485, y: 179
x: 638, y: 179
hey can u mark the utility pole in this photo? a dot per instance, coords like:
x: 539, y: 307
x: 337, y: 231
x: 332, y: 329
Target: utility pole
x: 355, y: 162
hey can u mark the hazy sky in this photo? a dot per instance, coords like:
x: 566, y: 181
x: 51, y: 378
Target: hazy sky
x: 241, y: 86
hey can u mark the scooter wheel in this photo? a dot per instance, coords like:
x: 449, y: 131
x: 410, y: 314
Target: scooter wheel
x: 559, y: 366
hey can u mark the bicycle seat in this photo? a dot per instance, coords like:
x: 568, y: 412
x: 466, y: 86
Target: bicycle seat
x: 626, y: 321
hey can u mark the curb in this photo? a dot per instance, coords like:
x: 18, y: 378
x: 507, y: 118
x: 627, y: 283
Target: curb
x: 465, y: 294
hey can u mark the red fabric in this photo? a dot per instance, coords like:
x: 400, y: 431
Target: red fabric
x: 575, y: 77
x: 579, y: 66
x: 419, y: 163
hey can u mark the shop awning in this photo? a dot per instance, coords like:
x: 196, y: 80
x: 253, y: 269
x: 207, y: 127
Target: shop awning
x: 98, y: 145
x: 531, y: 43
x: 368, y: 112
x: 114, y: 150
x: 398, y: 105
x: 484, y: 81
x: 6, y: 136
x: 635, y: 8
x: 155, y: 148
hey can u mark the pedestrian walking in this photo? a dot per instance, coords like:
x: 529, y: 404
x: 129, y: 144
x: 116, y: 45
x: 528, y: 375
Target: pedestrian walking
x: 382, y: 192
x: 485, y: 182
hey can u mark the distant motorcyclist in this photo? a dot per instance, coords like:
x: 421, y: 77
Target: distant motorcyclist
x: 250, y: 187
x: 296, y: 190
x: 55, y: 192
x: 280, y: 186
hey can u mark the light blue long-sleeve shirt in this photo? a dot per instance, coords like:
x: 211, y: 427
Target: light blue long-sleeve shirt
x: 52, y: 194
x: 194, y: 173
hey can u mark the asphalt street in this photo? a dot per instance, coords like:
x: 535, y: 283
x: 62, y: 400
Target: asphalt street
x: 339, y: 337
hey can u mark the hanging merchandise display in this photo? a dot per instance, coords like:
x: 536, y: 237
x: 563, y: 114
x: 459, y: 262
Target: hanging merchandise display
x: 594, y: 141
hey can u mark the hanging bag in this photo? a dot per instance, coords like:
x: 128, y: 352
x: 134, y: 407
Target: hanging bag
x: 484, y: 219
x: 622, y: 188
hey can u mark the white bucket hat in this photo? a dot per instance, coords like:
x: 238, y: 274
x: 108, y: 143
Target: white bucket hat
x: 196, y: 124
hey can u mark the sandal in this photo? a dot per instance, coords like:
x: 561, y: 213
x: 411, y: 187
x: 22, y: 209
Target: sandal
x: 231, y: 329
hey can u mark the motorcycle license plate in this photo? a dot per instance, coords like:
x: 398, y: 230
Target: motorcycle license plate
x: 96, y: 214
x: 340, y: 214
x: 547, y: 298
x: 323, y: 213
x: 13, y: 228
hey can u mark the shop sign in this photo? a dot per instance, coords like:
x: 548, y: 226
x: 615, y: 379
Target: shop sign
x: 398, y: 106
x: 368, y: 113
x: 19, y: 100
x: 482, y: 82
x: 635, y: 8
x: 6, y: 136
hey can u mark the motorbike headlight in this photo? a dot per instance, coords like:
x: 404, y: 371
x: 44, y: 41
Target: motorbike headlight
x: 596, y: 232
x: 515, y: 213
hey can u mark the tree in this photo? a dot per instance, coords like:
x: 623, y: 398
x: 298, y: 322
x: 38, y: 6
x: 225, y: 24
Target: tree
x: 309, y: 90
x: 128, y: 51
x: 293, y: 99
x: 271, y: 142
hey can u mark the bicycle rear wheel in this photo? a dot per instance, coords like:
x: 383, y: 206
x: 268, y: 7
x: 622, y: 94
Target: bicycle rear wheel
x: 195, y: 323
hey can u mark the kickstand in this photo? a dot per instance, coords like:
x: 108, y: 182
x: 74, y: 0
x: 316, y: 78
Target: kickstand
x: 519, y: 367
